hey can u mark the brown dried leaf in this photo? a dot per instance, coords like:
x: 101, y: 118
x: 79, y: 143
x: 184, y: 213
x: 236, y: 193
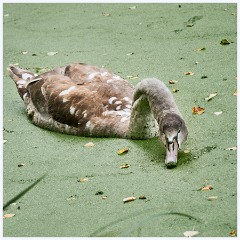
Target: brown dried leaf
x: 129, y: 199
x: 142, y: 197
x: 90, y: 144
x: 225, y: 42
x: 188, y: 73
x: 211, y: 96
x: 125, y: 166
x: 9, y: 215
x: 198, y: 110
x: 207, y: 188
x: 235, y: 93
x: 122, y: 151
x: 233, y: 233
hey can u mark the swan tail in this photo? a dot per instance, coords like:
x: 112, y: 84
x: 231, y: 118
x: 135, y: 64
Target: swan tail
x: 20, y: 77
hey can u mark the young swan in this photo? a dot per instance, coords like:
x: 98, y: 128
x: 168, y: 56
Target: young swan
x: 157, y: 101
x: 85, y: 100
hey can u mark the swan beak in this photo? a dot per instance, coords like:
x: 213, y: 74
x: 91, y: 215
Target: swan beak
x: 171, y: 154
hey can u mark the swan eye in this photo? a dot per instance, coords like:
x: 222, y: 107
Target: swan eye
x: 179, y: 130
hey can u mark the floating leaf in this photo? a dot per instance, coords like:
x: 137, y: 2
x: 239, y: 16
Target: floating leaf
x: 188, y: 73
x: 122, y: 151
x: 175, y: 90
x: 186, y: 151
x: 211, y: 96
x: 201, y: 49
x: 204, y: 76
x: 21, y: 165
x: 51, y: 53
x: 104, y: 197
x: 198, y: 110
x: 99, y: 193
x: 40, y: 69
x: 132, y: 77
x: 106, y: 14
x: 142, y: 197
x: 172, y: 81
x: 128, y: 54
x: 231, y: 148
x: 217, y: 113
x: 212, y: 198
x: 233, y: 233
x: 133, y: 8
x: 125, y: 166
x: 83, y: 180
x: 73, y: 197
x: 207, y: 188
x: 190, y: 233
x: 90, y: 144
x: 4, y: 141
x: 235, y: 93
x: 224, y: 42
x: 24, y: 52
x: 129, y: 199
x: 9, y: 215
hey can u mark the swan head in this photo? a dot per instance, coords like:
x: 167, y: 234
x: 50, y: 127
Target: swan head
x: 173, y: 132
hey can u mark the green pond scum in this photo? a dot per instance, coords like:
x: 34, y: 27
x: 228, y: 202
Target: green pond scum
x: 141, y: 40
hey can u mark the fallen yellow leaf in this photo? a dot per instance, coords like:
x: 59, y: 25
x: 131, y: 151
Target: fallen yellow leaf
x: 198, y: 110
x: 9, y: 215
x: 201, y: 49
x: 121, y: 151
x: 217, y: 113
x: 212, y: 198
x: 207, y: 188
x: 131, y: 77
x: 106, y: 14
x: 233, y: 233
x: 231, y: 148
x: 90, y: 144
x: 175, y: 90
x: 172, y: 81
x: 190, y: 233
x: 235, y: 93
x: 83, y: 180
x: 188, y: 73
x: 211, y: 96
x: 129, y: 199
x: 125, y: 166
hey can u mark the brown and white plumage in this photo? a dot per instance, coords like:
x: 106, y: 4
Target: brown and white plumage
x: 85, y: 100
